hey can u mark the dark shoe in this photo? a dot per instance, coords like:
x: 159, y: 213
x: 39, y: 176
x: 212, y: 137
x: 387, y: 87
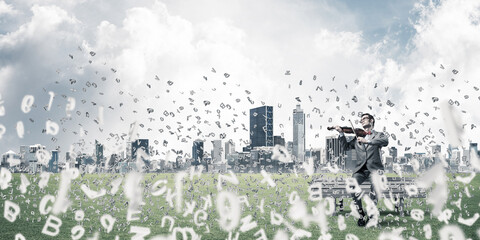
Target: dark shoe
x: 362, y: 222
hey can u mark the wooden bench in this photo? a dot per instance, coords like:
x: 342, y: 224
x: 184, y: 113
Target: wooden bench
x: 400, y: 188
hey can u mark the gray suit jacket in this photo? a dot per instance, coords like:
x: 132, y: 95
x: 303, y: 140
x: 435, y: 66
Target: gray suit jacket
x: 367, y: 152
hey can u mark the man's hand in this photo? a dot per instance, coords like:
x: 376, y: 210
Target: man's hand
x: 362, y: 140
x: 339, y: 129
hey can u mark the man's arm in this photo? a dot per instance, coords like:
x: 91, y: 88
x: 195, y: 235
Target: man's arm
x: 380, y: 140
x: 343, y: 142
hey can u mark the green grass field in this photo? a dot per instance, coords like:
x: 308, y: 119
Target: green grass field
x: 30, y: 222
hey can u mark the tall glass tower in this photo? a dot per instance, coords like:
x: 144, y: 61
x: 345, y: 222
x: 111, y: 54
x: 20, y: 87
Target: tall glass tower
x: 261, y: 126
x: 197, y: 152
x: 298, y: 134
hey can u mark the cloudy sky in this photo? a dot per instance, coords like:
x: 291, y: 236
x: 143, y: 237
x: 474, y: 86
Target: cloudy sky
x: 186, y: 70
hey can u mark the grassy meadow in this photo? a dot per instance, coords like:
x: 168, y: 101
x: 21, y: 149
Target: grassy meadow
x: 30, y: 221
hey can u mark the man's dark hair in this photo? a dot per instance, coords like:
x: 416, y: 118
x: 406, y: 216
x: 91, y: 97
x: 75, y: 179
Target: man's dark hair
x: 369, y: 117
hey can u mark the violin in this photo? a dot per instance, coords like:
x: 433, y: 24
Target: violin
x: 358, y: 131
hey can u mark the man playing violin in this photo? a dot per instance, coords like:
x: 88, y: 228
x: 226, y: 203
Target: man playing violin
x: 368, y: 156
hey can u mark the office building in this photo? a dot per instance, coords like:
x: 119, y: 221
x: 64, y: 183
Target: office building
x: 261, y: 126
x: 298, y: 150
x: 393, y: 152
x: 278, y: 140
x: 229, y: 148
x: 436, y: 149
x: 12, y: 156
x: 217, y: 152
x: 197, y: 152
x: 98, y: 151
x: 139, y: 144
x: 53, y: 163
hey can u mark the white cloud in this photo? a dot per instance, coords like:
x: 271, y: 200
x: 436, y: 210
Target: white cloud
x: 6, y: 9
x: 338, y: 43
x: 46, y: 20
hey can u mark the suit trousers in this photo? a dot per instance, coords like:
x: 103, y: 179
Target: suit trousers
x: 362, y: 175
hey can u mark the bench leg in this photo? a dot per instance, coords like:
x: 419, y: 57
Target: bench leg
x: 397, y: 205
x: 335, y: 212
x: 400, y: 203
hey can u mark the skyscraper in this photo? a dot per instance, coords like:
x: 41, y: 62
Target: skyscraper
x: 31, y: 157
x: 473, y: 148
x: 393, y: 152
x: 217, y: 151
x: 289, y: 147
x: 139, y: 144
x: 436, y: 149
x: 261, y: 126
x: 279, y: 140
x: 298, y: 134
x: 53, y: 163
x: 229, y: 148
x: 98, y: 151
x: 197, y: 152
x: 333, y: 150
x: 316, y: 155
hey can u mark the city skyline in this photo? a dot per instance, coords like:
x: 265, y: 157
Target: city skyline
x: 331, y: 157
x: 256, y: 116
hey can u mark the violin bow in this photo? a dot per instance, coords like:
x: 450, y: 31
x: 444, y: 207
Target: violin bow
x: 353, y: 128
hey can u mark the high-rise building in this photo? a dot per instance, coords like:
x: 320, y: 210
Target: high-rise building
x: 197, y: 152
x: 98, y: 151
x: 407, y: 157
x: 70, y: 159
x: 217, y: 152
x: 323, y: 156
x: 465, y: 157
x: 388, y: 164
x: 450, y: 149
x: 53, y: 163
x: 278, y: 140
x: 454, y: 160
x: 139, y: 144
x: 473, y: 148
x: 298, y: 150
x: 23, y: 152
x: 436, y: 149
x: 316, y: 155
x: 290, y: 147
x: 247, y: 148
x: 333, y: 151
x: 113, y: 162
x: 393, y: 152
x: 9, y: 155
x: 31, y: 157
x: 261, y: 126
x: 128, y: 150
x: 229, y: 148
